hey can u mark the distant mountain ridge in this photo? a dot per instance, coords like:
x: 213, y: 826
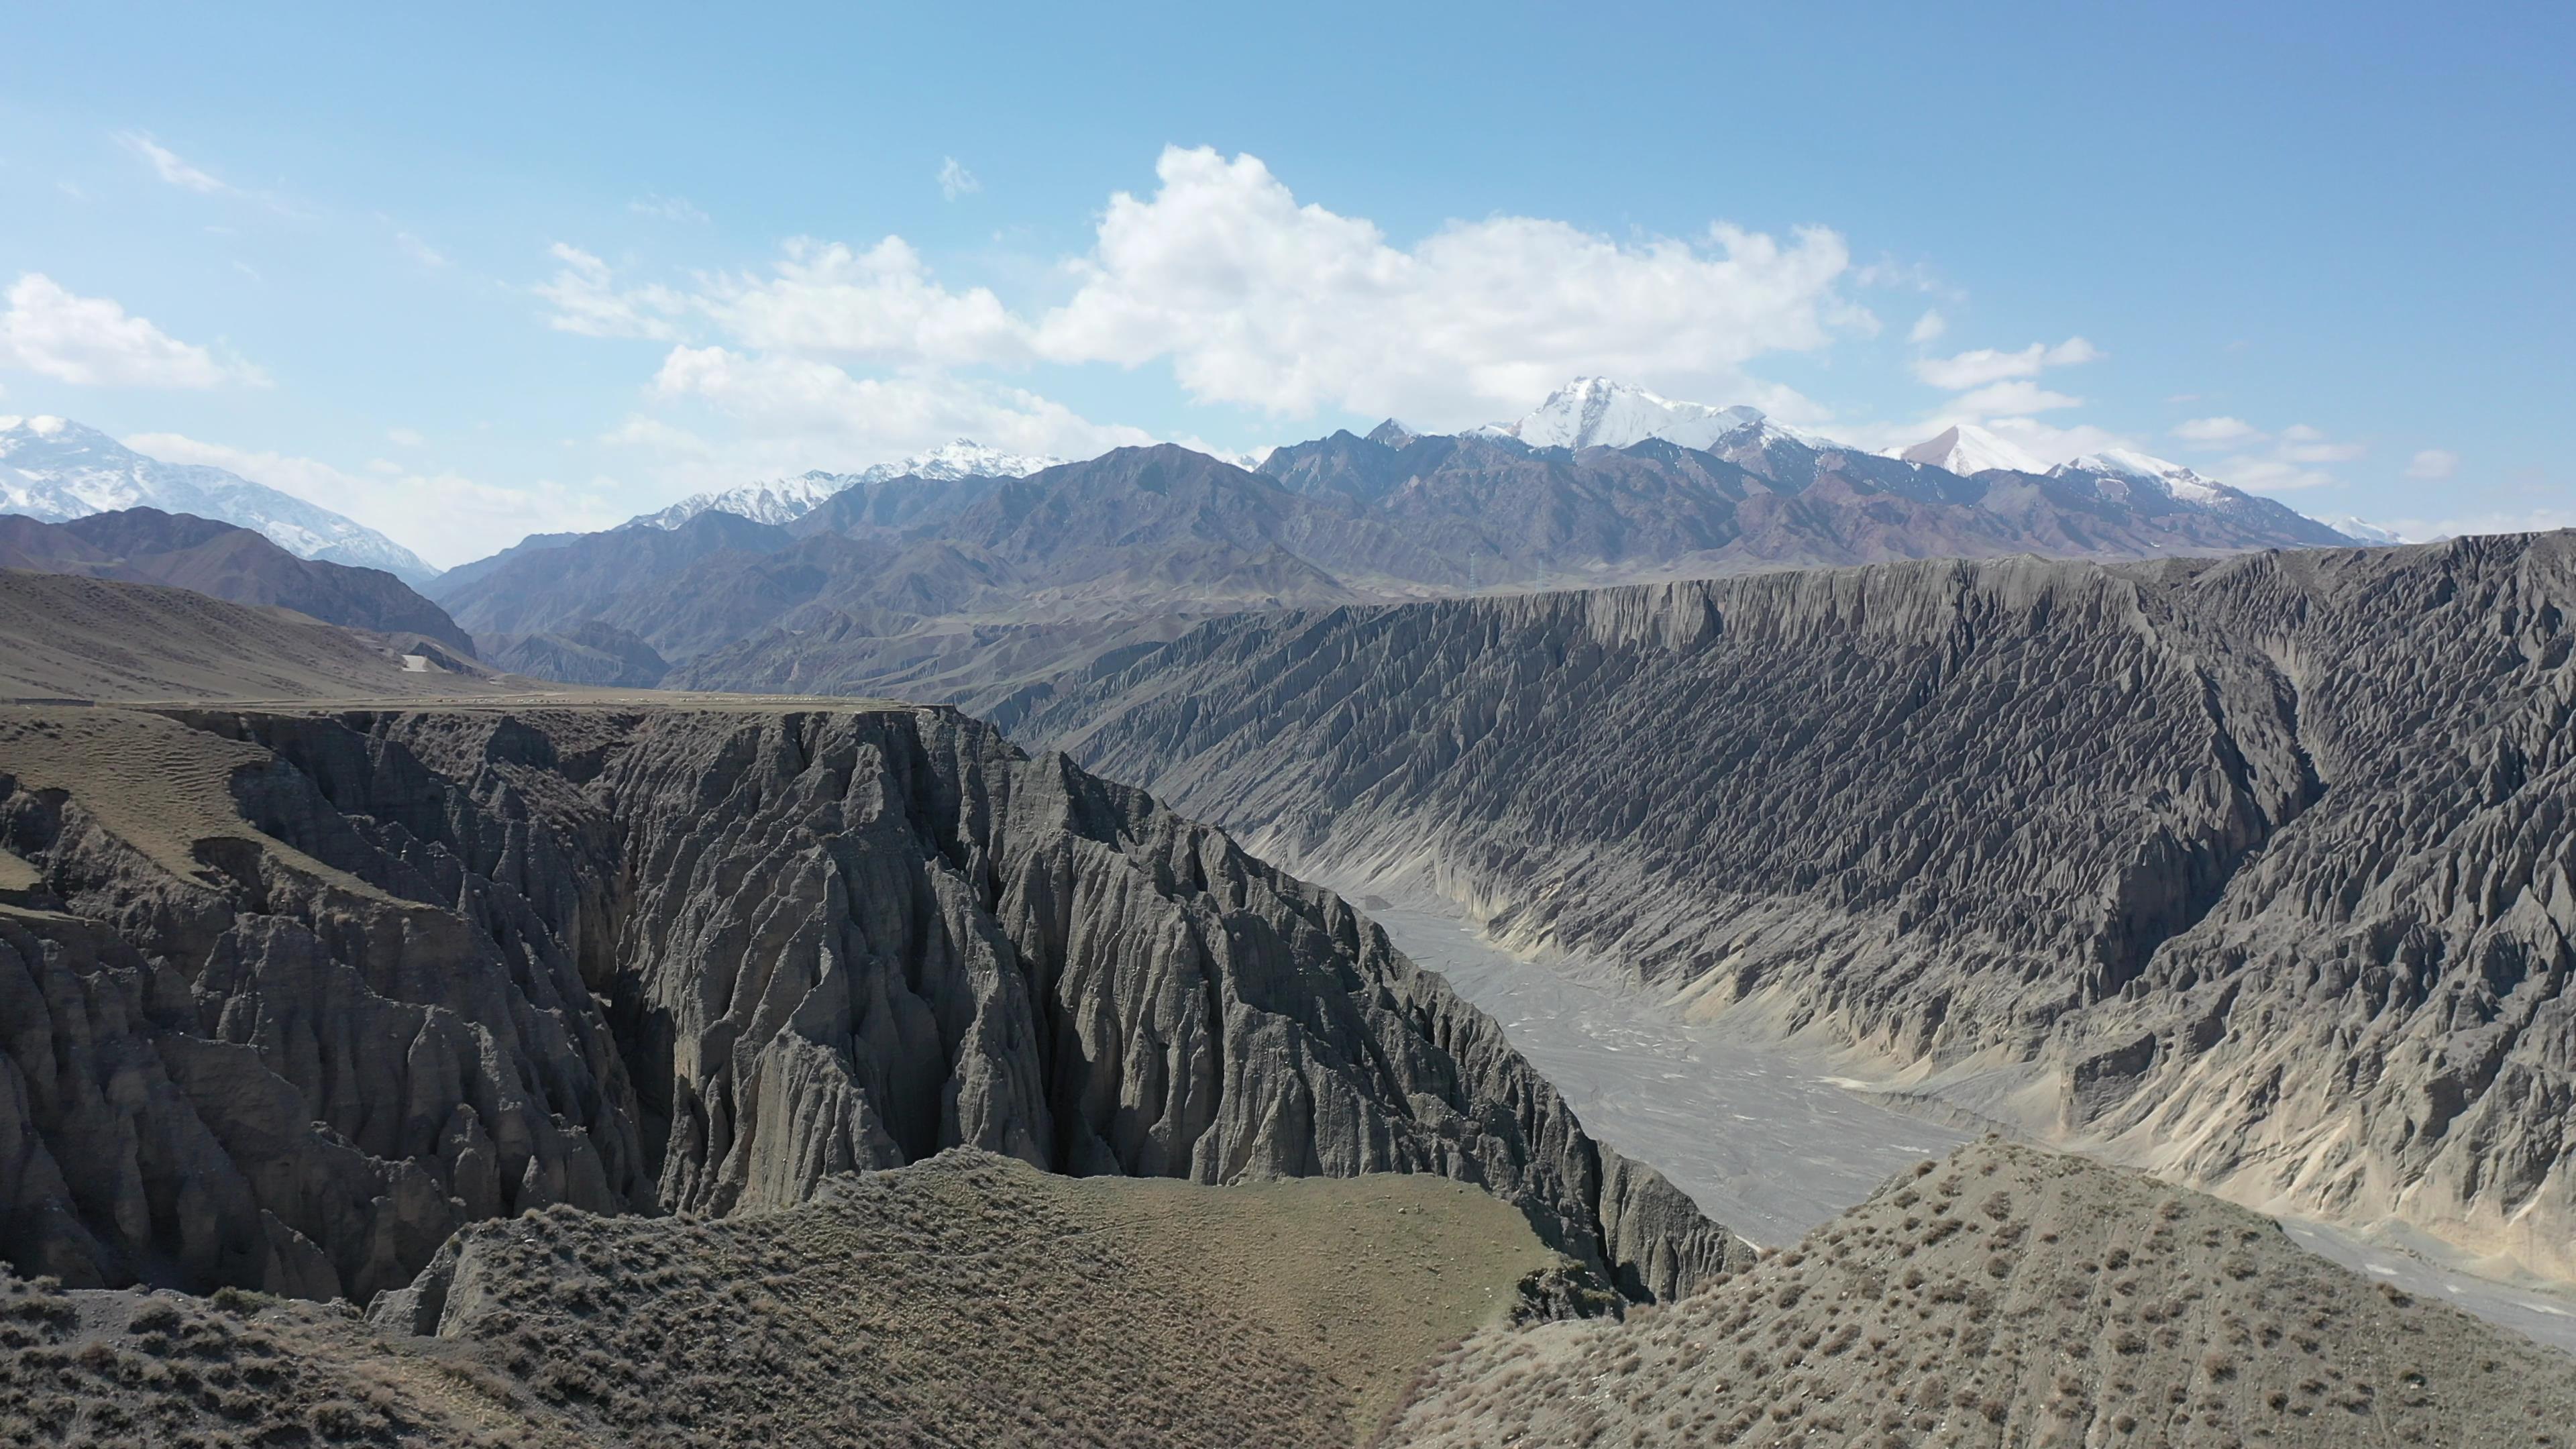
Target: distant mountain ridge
x: 983, y: 591
x: 787, y: 499
x: 226, y: 561
x: 54, y: 469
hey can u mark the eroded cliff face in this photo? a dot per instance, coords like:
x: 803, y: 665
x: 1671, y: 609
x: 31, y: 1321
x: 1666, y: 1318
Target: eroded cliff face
x: 285, y: 998
x: 2255, y: 871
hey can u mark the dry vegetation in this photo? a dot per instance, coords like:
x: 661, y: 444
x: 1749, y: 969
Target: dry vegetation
x: 967, y: 1300
x: 2010, y: 1297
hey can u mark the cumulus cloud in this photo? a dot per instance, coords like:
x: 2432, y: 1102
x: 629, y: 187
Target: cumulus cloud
x: 1985, y: 365
x: 444, y: 516
x: 166, y: 164
x: 955, y: 180
x: 94, y: 341
x: 2432, y: 464
x: 1928, y: 327
x: 2217, y: 432
x: 1257, y: 299
x: 879, y: 305
x: 1250, y: 296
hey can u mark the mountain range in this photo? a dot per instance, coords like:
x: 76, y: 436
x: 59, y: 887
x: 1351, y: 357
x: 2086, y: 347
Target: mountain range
x: 148, y: 546
x: 983, y: 588
x: 53, y: 469
x: 708, y: 1069
x: 788, y: 499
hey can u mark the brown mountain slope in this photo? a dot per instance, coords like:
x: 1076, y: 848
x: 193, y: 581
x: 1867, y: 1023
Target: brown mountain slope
x: 2013, y: 1299
x: 968, y: 1299
x: 67, y: 636
x: 148, y: 546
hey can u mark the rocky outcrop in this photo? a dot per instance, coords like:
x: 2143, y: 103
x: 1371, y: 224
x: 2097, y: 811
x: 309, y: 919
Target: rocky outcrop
x: 289, y: 1006
x: 2256, y: 871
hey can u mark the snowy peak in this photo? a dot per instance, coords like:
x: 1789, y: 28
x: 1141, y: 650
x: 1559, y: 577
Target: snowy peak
x: 964, y: 458
x: 1392, y: 434
x: 2364, y: 532
x: 785, y: 500
x: 2175, y: 480
x: 1594, y: 412
x: 781, y: 500
x: 54, y: 469
x: 1968, y: 450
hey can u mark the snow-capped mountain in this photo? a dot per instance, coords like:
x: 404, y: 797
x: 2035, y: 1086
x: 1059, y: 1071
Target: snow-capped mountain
x: 781, y: 500
x: 2364, y: 532
x: 2174, y: 479
x: 1594, y: 412
x: 785, y: 500
x: 54, y: 469
x: 1968, y: 450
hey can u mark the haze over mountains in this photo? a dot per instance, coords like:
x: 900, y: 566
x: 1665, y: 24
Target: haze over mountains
x: 52, y: 469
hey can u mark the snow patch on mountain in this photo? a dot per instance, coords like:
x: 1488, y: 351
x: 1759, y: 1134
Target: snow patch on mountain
x: 2177, y: 481
x: 1595, y: 412
x: 54, y: 469
x: 784, y: 500
x: 1968, y: 450
x: 2366, y: 533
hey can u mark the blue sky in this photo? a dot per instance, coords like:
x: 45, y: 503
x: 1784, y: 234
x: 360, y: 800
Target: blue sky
x: 464, y: 272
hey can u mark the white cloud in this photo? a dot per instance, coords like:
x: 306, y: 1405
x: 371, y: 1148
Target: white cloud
x: 879, y: 305
x: 2020, y: 395
x: 2432, y: 464
x: 441, y: 515
x: 666, y: 208
x: 1928, y: 327
x: 2217, y: 432
x: 1986, y: 365
x: 2292, y: 460
x: 94, y: 341
x: 822, y: 412
x: 955, y: 180
x: 2271, y: 473
x: 2320, y: 452
x: 586, y: 300
x: 167, y: 165
x: 1257, y: 299
x: 404, y: 437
